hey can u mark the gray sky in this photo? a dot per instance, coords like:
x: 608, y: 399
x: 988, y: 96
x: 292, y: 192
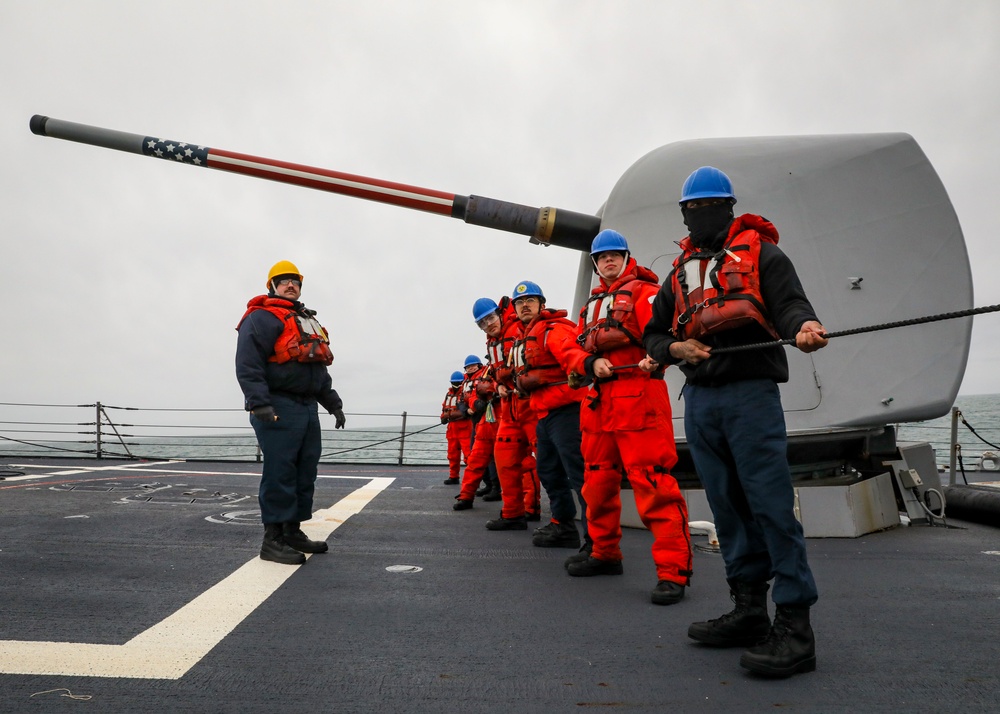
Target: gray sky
x: 125, y: 276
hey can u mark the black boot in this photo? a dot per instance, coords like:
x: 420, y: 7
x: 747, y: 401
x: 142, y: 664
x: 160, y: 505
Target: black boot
x: 494, y: 493
x: 295, y: 538
x: 556, y: 535
x: 582, y: 555
x: 276, y: 550
x: 507, y: 524
x: 451, y: 481
x: 745, y: 626
x: 486, y: 485
x: 462, y: 504
x: 790, y: 647
x: 593, y: 566
x: 667, y: 592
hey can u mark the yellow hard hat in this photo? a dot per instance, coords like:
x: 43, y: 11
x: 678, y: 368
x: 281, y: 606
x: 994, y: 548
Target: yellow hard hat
x: 282, y: 267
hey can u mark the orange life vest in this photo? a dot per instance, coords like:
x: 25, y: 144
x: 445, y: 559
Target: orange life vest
x: 500, y: 350
x: 449, y: 408
x: 480, y: 386
x: 302, y: 338
x: 716, y: 291
x: 608, y: 320
x: 534, y: 365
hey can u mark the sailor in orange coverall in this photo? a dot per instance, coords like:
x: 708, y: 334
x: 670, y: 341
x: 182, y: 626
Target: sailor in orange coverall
x: 513, y: 450
x: 483, y: 416
x: 459, y: 427
x: 542, y: 358
x: 626, y: 425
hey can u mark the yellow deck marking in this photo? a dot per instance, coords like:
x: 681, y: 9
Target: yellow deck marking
x: 170, y: 648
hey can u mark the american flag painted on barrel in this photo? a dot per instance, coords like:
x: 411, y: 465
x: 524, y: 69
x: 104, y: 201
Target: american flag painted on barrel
x: 299, y: 174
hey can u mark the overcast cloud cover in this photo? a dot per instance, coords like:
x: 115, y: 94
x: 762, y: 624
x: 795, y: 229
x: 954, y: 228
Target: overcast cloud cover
x: 125, y: 277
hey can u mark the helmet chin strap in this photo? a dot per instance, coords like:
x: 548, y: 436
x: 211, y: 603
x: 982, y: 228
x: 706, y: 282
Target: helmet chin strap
x: 620, y: 270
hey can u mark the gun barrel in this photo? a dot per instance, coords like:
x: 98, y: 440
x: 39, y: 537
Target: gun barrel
x: 543, y: 225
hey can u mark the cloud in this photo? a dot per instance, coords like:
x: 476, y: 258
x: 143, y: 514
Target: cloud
x: 126, y: 276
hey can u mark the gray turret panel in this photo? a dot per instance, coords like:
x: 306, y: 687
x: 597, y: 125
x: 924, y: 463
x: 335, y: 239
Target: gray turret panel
x: 866, y: 206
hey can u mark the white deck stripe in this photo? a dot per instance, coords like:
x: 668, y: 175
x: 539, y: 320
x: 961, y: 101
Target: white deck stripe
x: 373, y: 188
x: 84, y: 470
x: 170, y: 648
x: 147, y: 467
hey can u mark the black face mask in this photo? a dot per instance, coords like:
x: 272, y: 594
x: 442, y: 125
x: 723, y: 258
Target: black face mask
x: 708, y: 223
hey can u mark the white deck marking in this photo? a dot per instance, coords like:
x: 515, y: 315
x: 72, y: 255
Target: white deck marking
x: 170, y: 648
x: 147, y: 467
x: 84, y: 470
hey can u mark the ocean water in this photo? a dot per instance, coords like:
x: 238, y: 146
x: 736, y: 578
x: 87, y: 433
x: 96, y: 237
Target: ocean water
x: 224, y: 435
x: 978, y: 430
x: 206, y: 435
x: 344, y: 447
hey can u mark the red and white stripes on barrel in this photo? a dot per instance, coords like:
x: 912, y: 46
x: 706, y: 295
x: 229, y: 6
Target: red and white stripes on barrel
x: 421, y: 199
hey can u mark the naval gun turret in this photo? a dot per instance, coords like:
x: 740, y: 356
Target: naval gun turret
x: 864, y: 217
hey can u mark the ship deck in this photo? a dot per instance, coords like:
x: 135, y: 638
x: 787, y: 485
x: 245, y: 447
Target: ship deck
x: 136, y: 585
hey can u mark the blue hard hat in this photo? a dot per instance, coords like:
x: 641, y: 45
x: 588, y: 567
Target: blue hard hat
x: 472, y: 359
x: 526, y: 288
x: 608, y: 240
x: 483, y: 307
x: 707, y: 182
x: 457, y: 377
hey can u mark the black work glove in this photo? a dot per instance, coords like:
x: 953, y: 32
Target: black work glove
x: 444, y: 420
x: 341, y: 419
x: 265, y: 413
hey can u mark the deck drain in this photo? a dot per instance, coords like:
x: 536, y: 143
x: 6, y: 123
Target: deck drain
x: 404, y: 569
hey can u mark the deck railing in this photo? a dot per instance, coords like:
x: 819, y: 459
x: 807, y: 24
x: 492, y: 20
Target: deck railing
x: 104, y: 431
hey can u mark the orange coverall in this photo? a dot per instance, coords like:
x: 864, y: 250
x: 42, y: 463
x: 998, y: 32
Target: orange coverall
x: 482, y: 445
x: 515, y: 440
x: 458, y: 431
x: 626, y: 427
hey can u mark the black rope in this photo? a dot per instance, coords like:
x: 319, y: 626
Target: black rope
x: 976, y: 433
x: 961, y: 466
x: 860, y: 330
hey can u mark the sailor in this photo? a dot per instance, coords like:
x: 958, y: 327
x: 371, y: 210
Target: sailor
x: 626, y: 425
x: 484, y: 432
x: 733, y: 286
x: 480, y: 394
x: 543, y: 356
x: 514, y: 448
x: 458, y: 431
x: 282, y: 355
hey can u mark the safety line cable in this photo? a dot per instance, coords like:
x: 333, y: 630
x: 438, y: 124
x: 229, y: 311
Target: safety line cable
x: 41, y: 446
x: 860, y: 330
x: 115, y: 429
x: 379, y: 443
